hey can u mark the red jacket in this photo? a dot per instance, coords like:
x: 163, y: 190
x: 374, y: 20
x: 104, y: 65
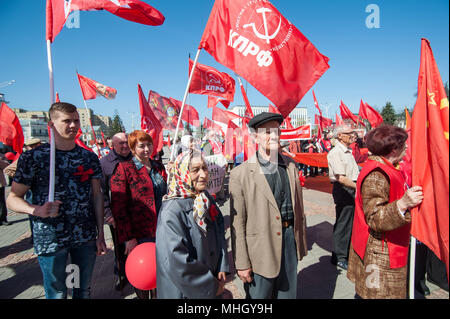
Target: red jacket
x: 133, y: 202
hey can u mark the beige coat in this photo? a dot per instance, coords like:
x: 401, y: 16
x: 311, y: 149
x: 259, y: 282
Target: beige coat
x: 256, y: 231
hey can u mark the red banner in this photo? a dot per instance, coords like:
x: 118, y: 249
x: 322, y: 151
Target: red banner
x: 347, y: 114
x: 150, y: 123
x: 300, y: 133
x: 209, y: 81
x: 252, y: 38
x: 90, y: 89
x: 369, y: 113
x: 11, y: 132
x: 58, y: 11
x: 189, y: 115
x: 164, y: 110
x: 430, y: 157
x: 223, y: 116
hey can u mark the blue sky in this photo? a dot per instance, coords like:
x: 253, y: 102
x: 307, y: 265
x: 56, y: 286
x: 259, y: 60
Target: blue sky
x: 376, y: 65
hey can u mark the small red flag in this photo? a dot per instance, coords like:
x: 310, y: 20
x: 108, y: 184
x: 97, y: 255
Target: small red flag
x: 212, y: 101
x: 58, y: 11
x: 11, y: 132
x: 189, y: 115
x: 347, y: 114
x: 339, y: 121
x: 253, y: 39
x: 150, y: 123
x: 163, y: 108
x: 430, y: 157
x: 211, y: 125
x: 209, y: 81
x: 223, y: 116
x: 370, y: 114
x: 316, y: 103
x: 232, y: 144
x: 90, y: 89
x: 248, y: 108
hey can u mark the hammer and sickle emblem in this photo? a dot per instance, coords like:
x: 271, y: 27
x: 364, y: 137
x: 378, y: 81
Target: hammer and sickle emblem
x: 265, y: 36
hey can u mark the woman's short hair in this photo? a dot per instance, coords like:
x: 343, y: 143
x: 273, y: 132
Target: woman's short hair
x: 385, y: 139
x: 138, y: 136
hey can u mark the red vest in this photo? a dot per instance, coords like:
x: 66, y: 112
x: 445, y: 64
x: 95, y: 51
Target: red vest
x: 397, y: 239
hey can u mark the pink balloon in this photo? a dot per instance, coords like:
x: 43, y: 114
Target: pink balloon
x: 140, y: 267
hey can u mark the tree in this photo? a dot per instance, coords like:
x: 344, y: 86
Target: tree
x: 446, y: 88
x: 388, y: 113
x: 117, y: 124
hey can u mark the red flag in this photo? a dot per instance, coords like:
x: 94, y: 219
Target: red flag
x: 150, y: 123
x: 347, y: 114
x: 232, y: 144
x: 370, y: 114
x: 273, y: 109
x: 165, y: 111
x: 211, y: 125
x: 209, y: 81
x: 78, y: 141
x: 212, y: 101
x: 223, y: 116
x: 58, y: 11
x: 430, y: 157
x: 253, y: 39
x: 189, y: 115
x: 323, y: 121
x: 288, y: 123
x: 248, y: 108
x: 339, y: 121
x: 316, y: 103
x: 57, y: 98
x: 90, y: 89
x: 11, y: 132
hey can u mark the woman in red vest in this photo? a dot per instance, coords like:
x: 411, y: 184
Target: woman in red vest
x: 381, y: 227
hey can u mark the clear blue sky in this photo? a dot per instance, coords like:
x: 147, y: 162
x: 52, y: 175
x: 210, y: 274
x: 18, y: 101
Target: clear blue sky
x: 376, y: 65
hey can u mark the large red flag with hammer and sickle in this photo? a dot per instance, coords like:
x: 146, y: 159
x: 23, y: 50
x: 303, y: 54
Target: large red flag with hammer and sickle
x: 252, y: 38
x: 430, y: 157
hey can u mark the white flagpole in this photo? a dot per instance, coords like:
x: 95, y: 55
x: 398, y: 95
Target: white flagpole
x: 51, y: 186
x: 182, y: 105
x: 412, y: 267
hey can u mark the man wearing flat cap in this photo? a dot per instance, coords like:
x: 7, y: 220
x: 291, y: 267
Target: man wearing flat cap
x: 268, y: 225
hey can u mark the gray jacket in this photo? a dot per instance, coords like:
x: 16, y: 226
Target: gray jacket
x: 188, y: 261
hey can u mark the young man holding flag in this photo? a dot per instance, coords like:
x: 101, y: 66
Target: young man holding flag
x: 73, y: 223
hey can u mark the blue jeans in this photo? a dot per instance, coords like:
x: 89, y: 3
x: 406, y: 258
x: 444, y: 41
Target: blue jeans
x: 58, y: 277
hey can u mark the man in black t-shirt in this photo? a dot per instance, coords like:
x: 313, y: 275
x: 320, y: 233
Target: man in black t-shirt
x: 73, y: 223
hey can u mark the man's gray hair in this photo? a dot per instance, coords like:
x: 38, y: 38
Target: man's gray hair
x: 341, y: 128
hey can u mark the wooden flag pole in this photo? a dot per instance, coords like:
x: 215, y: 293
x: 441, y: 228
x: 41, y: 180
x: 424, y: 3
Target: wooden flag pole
x: 51, y: 183
x: 172, y: 153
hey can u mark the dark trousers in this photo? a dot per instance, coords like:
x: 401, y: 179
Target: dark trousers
x: 344, y: 198
x: 284, y: 286
x: 119, y: 252
x: 3, y: 210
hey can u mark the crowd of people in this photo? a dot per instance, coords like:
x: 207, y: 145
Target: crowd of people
x: 142, y: 200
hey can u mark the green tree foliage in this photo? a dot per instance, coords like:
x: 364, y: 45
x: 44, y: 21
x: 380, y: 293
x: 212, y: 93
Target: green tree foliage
x: 388, y: 114
x: 117, y: 124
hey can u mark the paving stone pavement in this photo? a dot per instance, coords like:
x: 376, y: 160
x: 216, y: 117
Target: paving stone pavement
x: 20, y: 276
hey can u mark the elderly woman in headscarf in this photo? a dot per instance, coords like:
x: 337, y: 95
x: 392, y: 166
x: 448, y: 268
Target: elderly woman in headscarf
x: 191, y: 250
x: 381, y: 227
